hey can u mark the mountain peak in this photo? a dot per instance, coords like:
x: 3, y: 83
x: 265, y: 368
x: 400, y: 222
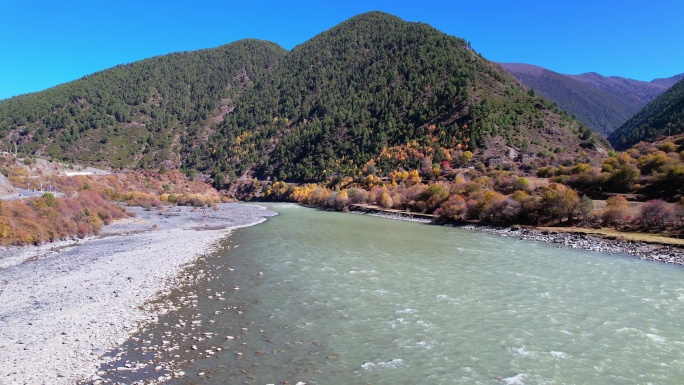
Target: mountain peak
x: 668, y: 82
x: 374, y: 15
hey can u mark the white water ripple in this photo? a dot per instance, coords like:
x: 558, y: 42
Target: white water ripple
x: 392, y: 364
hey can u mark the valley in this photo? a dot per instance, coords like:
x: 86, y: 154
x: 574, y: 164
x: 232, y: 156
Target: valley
x: 123, y: 257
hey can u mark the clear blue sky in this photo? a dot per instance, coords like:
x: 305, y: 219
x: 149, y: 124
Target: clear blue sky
x: 45, y: 43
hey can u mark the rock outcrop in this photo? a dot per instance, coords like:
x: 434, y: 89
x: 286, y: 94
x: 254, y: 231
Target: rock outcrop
x: 5, y: 186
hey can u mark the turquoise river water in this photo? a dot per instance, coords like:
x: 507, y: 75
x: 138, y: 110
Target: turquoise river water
x: 351, y: 299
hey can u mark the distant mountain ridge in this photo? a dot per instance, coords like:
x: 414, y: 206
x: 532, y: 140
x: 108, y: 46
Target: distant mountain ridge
x: 372, y: 91
x: 603, y: 103
x: 668, y: 82
x: 663, y: 116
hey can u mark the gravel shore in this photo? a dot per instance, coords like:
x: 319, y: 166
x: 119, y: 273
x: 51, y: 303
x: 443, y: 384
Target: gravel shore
x: 63, y: 305
x: 647, y: 251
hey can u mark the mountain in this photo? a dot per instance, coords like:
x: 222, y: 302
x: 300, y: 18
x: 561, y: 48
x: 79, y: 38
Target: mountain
x: 601, y: 102
x: 668, y: 82
x: 378, y: 88
x: 374, y: 88
x: 138, y: 114
x: 637, y: 91
x: 662, y: 116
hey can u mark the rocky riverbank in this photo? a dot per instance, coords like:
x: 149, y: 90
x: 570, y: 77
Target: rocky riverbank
x: 647, y: 251
x: 386, y: 215
x: 63, y: 305
x: 643, y: 250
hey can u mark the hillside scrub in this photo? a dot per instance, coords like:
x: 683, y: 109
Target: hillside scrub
x: 47, y: 218
x: 87, y: 203
x: 647, y: 168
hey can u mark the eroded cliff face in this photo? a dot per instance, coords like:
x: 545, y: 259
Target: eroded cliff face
x: 5, y: 186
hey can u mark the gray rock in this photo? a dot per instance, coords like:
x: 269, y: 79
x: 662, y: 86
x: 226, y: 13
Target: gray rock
x: 5, y: 186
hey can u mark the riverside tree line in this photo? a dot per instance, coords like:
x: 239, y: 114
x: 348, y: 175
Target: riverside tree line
x: 563, y: 193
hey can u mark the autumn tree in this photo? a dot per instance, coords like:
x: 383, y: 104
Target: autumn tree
x: 386, y: 200
x: 617, y: 211
x: 414, y: 193
x: 488, y: 205
x: 667, y: 147
x: 622, y: 179
x: 425, y: 166
x: 413, y: 178
x: 435, y: 194
x: 339, y: 200
x: 584, y: 208
x: 397, y: 201
x: 453, y: 208
x: 522, y: 184
x: 558, y: 202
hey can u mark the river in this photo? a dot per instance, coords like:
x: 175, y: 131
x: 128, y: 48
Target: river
x: 332, y: 298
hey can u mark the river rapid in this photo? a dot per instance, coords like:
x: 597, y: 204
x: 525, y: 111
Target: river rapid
x: 331, y: 298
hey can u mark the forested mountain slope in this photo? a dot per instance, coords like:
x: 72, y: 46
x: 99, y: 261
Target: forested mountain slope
x: 138, y: 114
x: 376, y: 87
x: 372, y: 88
x: 663, y: 116
x: 603, y: 103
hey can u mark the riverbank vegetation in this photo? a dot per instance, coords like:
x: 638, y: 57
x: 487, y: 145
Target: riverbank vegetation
x: 637, y: 190
x: 47, y: 218
x: 79, y: 206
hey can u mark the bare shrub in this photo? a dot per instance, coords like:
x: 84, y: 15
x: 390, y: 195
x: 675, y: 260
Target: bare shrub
x: 357, y: 196
x: 454, y: 208
x: 656, y: 214
x: 617, y: 211
x: 506, y: 211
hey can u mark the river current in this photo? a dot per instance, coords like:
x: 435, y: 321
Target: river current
x: 331, y: 298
